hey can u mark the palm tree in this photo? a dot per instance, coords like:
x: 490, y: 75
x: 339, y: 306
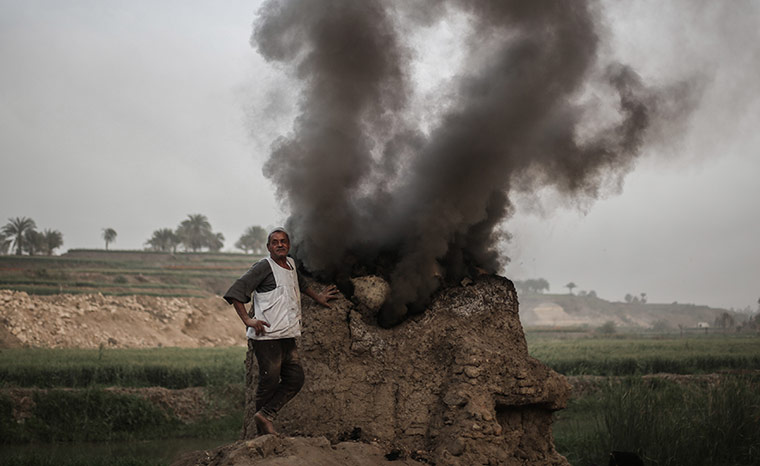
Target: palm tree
x: 195, y: 232
x: 215, y: 242
x: 254, y: 238
x: 34, y: 242
x: 52, y: 239
x: 17, y: 228
x: 5, y: 244
x: 109, y: 236
x: 164, y: 240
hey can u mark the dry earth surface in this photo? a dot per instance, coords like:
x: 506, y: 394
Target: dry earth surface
x: 89, y: 321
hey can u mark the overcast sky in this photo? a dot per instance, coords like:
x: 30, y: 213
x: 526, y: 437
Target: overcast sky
x: 132, y: 115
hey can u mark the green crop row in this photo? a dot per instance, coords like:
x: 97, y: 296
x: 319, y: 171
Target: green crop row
x: 664, y: 423
x: 9, y: 282
x: 159, y: 272
x: 629, y: 356
x: 118, y: 375
x: 56, y: 261
x: 48, y: 290
x: 654, y: 365
x: 162, y: 367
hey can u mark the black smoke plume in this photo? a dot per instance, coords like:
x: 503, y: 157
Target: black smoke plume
x: 369, y: 191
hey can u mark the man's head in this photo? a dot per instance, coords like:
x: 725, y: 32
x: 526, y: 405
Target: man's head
x: 278, y: 243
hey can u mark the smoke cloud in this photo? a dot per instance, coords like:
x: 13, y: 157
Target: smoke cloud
x: 369, y: 190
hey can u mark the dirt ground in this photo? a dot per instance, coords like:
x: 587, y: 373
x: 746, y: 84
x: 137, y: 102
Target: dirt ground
x: 89, y: 321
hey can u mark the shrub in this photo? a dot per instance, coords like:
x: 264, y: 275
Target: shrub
x: 607, y: 328
x: 120, y: 279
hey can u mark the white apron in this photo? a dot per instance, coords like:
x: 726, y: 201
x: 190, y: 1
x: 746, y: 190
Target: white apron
x: 281, y: 307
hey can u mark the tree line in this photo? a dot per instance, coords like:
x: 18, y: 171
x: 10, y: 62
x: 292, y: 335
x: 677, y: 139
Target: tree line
x: 21, y: 236
x: 195, y: 234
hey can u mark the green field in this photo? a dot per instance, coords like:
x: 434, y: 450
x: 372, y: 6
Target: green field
x: 82, y: 396
x: 697, y: 422
x: 124, y: 273
x: 631, y: 355
x: 666, y: 423
x: 152, y: 367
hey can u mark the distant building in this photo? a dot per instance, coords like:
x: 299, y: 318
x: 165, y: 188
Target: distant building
x: 703, y: 325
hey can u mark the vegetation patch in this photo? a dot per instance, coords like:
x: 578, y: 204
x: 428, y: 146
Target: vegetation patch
x: 664, y: 422
x: 156, y: 367
x: 96, y: 415
x: 631, y: 356
x: 119, y: 273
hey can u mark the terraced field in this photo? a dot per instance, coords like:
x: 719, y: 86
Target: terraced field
x: 124, y: 273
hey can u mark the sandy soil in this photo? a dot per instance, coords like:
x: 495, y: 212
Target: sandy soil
x: 89, y: 321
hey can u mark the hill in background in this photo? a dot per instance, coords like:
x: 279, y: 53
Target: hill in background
x: 566, y: 310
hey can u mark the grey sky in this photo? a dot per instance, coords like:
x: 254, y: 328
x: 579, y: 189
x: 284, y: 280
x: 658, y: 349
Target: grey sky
x: 133, y: 115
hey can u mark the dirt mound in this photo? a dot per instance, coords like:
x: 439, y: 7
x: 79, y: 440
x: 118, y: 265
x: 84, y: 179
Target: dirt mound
x: 456, y: 382
x: 88, y: 321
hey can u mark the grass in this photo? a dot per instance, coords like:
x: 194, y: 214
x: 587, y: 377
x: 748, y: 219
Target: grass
x: 636, y: 355
x: 100, y: 285
x: 47, y: 291
x: 665, y: 423
x: 37, y: 459
x: 79, y: 409
x: 97, y: 415
x: 162, y: 367
x: 94, y: 415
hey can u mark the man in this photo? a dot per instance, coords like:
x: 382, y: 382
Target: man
x: 275, y: 324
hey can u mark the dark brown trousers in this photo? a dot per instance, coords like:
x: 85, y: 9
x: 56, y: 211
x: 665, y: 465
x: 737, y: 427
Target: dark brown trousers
x: 280, y: 374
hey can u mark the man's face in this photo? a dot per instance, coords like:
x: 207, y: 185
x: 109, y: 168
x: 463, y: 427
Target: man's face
x: 278, y: 245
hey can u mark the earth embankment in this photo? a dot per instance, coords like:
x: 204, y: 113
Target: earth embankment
x: 95, y: 320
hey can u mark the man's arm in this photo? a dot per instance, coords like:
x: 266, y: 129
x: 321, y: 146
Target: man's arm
x: 331, y: 292
x: 257, y: 325
x: 240, y: 292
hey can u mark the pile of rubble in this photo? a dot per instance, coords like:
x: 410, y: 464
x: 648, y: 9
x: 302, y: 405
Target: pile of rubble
x: 89, y: 321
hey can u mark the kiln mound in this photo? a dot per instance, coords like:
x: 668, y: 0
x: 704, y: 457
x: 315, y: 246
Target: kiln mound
x: 454, y: 385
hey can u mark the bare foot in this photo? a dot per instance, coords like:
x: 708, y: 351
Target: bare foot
x: 263, y: 424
